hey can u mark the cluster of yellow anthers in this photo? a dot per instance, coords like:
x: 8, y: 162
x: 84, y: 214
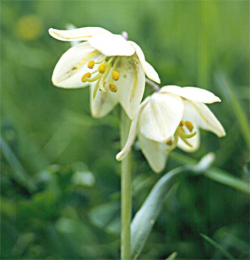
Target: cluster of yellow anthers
x: 180, y: 132
x: 102, y: 73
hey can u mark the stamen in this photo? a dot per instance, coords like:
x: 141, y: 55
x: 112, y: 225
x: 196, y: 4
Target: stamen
x: 180, y: 132
x: 104, y: 76
x: 182, y: 129
x: 169, y: 142
x: 113, y: 87
x: 116, y: 62
x: 85, y: 76
x: 183, y: 134
x: 100, y: 61
x: 102, y: 68
x: 186, y: 136
x: 182, y: 123
x: 189, y: 126
x: 115, y: 75
x: 186, y: 142
x: 174, y: 144
x: 95, y: 90
x: 91, y: 64
x: 95, y: 78
x: 110, y: 60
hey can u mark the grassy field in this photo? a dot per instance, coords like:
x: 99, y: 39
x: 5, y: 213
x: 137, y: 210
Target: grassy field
x: 60, y: 182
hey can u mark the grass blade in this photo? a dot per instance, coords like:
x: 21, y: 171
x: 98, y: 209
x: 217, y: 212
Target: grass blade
x: 215, y: 174
x: 219, y: 247
x: 237, y: 108
x: 19, y: 173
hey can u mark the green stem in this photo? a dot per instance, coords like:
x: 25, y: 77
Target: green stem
x: 125, y: 190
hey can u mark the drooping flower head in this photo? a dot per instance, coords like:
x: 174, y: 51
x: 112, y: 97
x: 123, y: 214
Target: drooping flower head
x: 169, y: 118
x: 107, y: 62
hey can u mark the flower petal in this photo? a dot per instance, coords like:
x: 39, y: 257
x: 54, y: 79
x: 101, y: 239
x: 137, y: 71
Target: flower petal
x: 201, y: 116
x: 79, y: 34
x: 161, y: 116
x: 72, y: 65
x: 194, y: 141
x: 111, y: 45
x: 131, y: 84
x: 132, y: 134
x: 192, y: 93
x: 148, y: 69
x: 104, y: 102
x: 154, y: 152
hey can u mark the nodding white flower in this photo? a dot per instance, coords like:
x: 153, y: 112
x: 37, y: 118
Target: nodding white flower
x: 169, y: 118
x: 107, y: 62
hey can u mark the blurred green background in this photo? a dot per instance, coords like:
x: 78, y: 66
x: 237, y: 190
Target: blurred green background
x: 60, y: 183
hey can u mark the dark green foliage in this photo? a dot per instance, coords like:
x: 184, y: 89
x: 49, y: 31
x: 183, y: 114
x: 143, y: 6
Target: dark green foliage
x: 60, y: 184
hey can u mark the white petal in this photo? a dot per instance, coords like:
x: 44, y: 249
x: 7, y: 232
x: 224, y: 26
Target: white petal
x: 201, y: 116
x: 73, y: 65
x: 192, y: 93
x: 194, y: 141
x: 111, y: 45
x: 104, y: 102
x: 131, y: 84
x: 148, y: 69
x: 161, y: 116
x: 131, y: 138
x: 154, y: 152
x: 79, y: 34
x: 132, y: 134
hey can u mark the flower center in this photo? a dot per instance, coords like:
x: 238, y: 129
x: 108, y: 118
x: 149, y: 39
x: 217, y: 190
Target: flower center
x: 102, y: 72
x: 180, y: 133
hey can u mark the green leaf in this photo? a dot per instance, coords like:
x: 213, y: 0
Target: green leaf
x: 145, y: 218
x: 217, y: 246
x: 19, y: 174
x: 215, y: 174
x: 235, y: 104
x: 172, y: 256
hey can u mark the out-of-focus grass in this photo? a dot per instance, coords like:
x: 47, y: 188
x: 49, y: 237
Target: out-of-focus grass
x: 70, y: 157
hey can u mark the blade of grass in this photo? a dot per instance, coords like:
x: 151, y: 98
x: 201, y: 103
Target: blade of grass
x: 219, y: 247
x: 237, y: 108
x: 215, y: 174
x: 19, y: 175
x: 172, y: 256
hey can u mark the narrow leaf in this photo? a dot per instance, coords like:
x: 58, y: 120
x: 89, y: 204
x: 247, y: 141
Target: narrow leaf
x: 172, y: 256
x: 217, y: 246
x: 237, y: 108
x: 19, y: 175
x: 215, y: 174
x: 147, y: 215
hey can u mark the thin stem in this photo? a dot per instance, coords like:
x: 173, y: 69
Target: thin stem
x: 125, y: 190
x: 153, y: 86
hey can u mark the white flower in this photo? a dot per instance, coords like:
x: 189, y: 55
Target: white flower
x: 112, y: 59
x: 169, y: 118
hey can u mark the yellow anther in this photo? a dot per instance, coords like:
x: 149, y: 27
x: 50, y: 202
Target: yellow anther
x: 102, y: 68
x: 113, y: 87
x: 115, y: 75
x: 182, y: 123
x: 86, y: 75
x: 91, y: 64
x: 189, y: 126
x: 169, y: 142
